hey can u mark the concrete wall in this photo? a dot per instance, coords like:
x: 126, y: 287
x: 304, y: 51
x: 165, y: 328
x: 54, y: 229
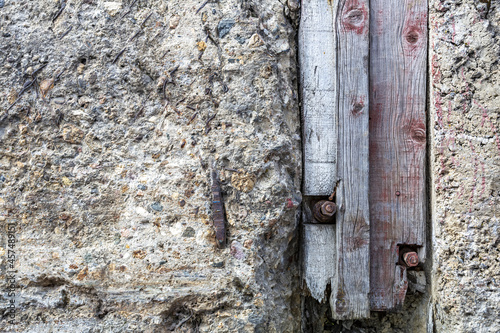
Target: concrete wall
x: 108, y: 177
x: 465, y: 164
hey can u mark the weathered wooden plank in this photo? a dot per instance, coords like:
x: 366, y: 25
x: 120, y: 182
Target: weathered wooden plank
x: 317, y: 58
x: 398, y: 51
x: 318, y: 257
x: 350, y: 285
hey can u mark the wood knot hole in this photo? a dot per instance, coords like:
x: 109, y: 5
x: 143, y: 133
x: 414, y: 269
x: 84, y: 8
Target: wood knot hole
x: 354, y: 16
x: 412, y: 37
x: 418, y: 135
x: 357, y: 108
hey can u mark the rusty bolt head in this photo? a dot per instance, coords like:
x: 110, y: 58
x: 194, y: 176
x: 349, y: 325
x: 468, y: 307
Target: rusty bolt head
x: 410, y: 259
x: 328, y: 208
x: 324, y: 210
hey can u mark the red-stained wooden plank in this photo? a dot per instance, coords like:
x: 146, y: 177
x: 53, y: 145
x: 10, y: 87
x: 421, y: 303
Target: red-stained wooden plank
x: 351, y: 283
x: 398, y: 48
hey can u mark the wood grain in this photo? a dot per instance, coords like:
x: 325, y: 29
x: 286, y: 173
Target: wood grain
x: 350, y: 285
x: 317, y: 58
x: 398, y: 51
x: 318, y: 258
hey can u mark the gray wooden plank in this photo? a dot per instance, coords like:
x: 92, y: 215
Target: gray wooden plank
x: 318, y: 257
x: 351, y: 284
x: 397, y: 141
x: 317, y: 58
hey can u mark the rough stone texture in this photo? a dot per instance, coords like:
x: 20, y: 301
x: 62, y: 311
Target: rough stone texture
x: 465, y: 164
x: 108, y: 175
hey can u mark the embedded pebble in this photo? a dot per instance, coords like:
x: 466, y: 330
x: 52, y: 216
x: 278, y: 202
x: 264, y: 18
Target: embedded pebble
x: 237, y: 250
x: 157, y: 207
x: 255, y: 41
x: 224, y: 27
x: 243, y: 181
x: 112, y: 7
x: 189, y: 232
x: 72, y: 134
x: 174, y: 21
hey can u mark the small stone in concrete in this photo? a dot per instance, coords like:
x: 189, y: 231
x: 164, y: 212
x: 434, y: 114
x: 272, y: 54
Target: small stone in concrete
x: 224, y: 27
x: 240, y: 39
x: 156, y: 206
x: 255, y: 41
x: 237, y: 250
x: 218, y: 264
x: 189, y: 232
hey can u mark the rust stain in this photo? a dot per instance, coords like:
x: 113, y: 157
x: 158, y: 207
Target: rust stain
x: 218, y: 211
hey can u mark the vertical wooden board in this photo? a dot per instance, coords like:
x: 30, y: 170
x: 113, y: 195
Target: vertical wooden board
x: 317, y: 60
x: 350, y: 285
x: 319, y: 254
x: 398, y: 51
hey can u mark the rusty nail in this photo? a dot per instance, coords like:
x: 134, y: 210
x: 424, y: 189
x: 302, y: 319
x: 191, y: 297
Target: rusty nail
x: 324, y: 210
x: 410, y: 259
x: 398, y: 193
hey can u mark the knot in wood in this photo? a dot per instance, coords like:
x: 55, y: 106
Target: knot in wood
x: 418, y: 135
x: 412, y: 37
x: 354, y: 16
x: 357, y: 108
x: 354, y: 19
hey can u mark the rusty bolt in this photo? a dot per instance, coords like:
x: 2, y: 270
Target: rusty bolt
x: 324, y: 210
x: 328, y: 208
x: 410, y: 259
